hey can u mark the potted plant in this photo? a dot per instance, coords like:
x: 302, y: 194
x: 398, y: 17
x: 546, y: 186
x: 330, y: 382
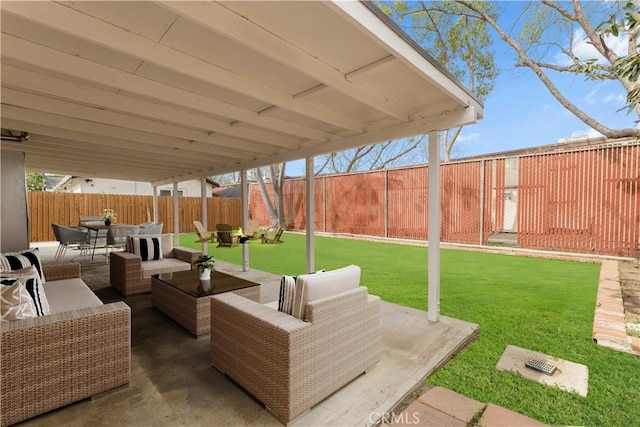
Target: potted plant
x: 205, y: 265
x: 109, y: 216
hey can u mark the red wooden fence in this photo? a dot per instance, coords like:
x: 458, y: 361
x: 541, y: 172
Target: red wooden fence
x: 586, y: 200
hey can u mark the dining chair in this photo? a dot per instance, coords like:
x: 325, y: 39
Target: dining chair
x: 117, y: 237
x: 153, y: 228
x: 74, y: 237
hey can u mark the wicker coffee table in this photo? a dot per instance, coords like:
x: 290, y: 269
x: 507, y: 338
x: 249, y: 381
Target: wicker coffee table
x: 180, y: 296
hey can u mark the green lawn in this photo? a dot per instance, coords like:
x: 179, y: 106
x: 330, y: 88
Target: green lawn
x: 538, y: 304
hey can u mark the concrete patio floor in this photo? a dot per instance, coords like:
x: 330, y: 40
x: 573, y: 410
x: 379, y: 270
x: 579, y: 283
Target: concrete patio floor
x: 173, y: 382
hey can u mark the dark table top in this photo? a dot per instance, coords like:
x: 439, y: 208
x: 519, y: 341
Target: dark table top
x: 189, y: 282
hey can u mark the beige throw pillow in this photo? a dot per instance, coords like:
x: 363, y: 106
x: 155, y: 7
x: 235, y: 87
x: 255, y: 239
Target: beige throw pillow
x: 15, y: 301
x: 31, y: 280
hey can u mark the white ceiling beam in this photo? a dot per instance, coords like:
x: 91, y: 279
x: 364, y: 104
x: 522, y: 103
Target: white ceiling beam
x: 57, y: 156
x: 56, y: 120
x: 371, y: 25
x: 188, y: 152
x: 36, y: 102
x: 365, y: 69
x: 35, y: 156
x: 250, y: 140
x: 69, y: 21
x: 95, y: 151
x: 435, y: 123
x: 216, y: 17
x: 73, y: 66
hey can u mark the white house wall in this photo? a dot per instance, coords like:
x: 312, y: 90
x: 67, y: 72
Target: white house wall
x: 114, y: 186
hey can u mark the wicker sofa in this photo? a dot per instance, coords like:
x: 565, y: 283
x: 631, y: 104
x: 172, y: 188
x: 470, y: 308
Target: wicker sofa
x: 82, y: 348
x: 291, y: 364
x: 130, y: 275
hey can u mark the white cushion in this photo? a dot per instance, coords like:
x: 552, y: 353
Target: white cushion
x: 310, y: 287
x: 69, y: 294
x: 166, y: 265
x: 31, y: 279
x: 15, y: 301
x: 273, y: 305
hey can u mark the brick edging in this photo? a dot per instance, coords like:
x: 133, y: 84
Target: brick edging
x: 609, y: 327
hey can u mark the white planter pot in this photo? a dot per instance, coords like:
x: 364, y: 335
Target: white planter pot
x: 206, y: 274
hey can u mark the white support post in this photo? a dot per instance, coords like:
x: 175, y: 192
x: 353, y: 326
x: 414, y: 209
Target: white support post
x: 203, y: 213
x: 310, y: 214
x: 176, y: 216
x: 433, y: 313
x: 245, y: 217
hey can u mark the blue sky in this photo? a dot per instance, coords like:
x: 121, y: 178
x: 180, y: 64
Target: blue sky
x: 520, y: 112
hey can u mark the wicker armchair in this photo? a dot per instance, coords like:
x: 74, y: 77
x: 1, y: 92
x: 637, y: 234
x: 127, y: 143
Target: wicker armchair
x: 290, y: 364
x: 51, y: 361
x: 130, y: 275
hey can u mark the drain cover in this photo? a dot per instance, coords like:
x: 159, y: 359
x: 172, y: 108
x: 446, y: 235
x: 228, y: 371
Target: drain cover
x: 540, y: 366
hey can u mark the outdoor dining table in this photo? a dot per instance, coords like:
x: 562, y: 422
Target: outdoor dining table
x: 96, y: 228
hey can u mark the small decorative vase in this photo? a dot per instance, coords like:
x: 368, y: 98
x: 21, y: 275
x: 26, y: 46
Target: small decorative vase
x: 204, y: 286
x: 206, y: 274
x: 107, y: 221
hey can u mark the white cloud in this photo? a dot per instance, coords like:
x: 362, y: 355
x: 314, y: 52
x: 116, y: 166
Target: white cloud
x: 547, y: 107
x: 591, y: 98
x: 619, y: 99
x: 469, y: 137
x: 583, y: 49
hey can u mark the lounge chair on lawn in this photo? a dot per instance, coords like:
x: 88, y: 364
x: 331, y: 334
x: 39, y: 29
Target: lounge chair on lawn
x: 202, y: 234
x: 226, y: 236
x: 276, y: 238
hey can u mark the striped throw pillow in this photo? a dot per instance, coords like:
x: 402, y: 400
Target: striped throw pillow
x: 287, y: 293
x: 147, y: 248
x: 24, y: 259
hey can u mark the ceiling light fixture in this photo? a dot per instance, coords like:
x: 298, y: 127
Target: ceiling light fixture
x: 9, y: 135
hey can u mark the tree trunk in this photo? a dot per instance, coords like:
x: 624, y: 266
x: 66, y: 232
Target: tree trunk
x: 275, y: 208
x: 273, y: 216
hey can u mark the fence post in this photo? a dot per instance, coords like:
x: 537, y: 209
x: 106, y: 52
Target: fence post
x: 494, y: 192
x: 385, y: 200
x: 324, y: 204
x: 482, y: 195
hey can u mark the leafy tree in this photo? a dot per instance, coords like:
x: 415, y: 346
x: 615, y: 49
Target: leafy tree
x: 459, y: 43
x: 36, y: 181
x: 627, y: 67
x: 543, y: 26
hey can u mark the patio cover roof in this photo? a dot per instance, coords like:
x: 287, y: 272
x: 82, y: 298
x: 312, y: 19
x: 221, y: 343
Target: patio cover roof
x: 170, y: 91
